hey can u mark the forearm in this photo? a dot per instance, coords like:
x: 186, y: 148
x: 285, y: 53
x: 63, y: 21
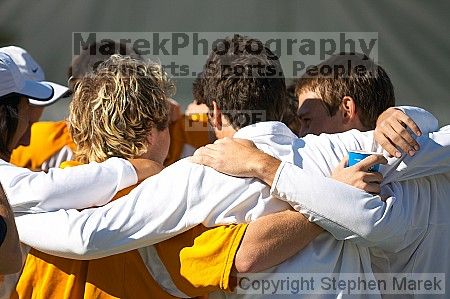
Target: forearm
x: 78, y: 187
x: 263, y: 167
x: 10, y: 256
x: 152, y: 212
x: 272, y: 239
x: 133, y: 221
x: 344, y: 211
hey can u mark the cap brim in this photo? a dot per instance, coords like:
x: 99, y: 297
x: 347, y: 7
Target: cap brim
x: 59, y: 92
x: 36, y: 90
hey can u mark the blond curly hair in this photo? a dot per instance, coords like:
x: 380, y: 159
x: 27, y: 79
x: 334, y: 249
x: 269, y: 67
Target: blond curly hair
x: 115, y: 108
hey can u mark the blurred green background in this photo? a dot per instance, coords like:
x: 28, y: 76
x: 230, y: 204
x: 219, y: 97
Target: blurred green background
x: 414, y: 43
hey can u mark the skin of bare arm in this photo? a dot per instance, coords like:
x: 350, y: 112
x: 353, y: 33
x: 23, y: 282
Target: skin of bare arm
x: 272, y: 239
x: 10, y: 254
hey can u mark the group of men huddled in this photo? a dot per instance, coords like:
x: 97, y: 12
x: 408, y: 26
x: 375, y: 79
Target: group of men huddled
x: 107, y: 206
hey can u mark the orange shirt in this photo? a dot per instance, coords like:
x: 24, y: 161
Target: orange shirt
x: 47, y: 138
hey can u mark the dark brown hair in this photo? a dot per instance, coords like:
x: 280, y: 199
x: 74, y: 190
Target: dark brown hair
x: 244, y: 77
x: 354, y: 75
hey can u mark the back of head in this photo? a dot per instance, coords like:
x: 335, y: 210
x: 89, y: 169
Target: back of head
x: 354, y: 75
x: 246, y: 81
x: 93, y: 55
x: 115, y: 108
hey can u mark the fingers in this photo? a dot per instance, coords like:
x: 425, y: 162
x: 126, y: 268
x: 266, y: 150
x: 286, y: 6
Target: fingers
x: 343, y: 163
x: 373, y: 177
x: 388, y: 146
x: 370, y: 182
x: 370, y: 161
x: 373, y: 188
x: 370, y: 187
x: 386, y: 143
x: 410, y: 123
x: 404, y: 140
x: 393, y: 138
x: 392, y: 133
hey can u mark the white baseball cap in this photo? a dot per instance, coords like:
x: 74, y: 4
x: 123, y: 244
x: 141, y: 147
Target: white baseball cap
x: 31, y: 70
x: 12, y: 81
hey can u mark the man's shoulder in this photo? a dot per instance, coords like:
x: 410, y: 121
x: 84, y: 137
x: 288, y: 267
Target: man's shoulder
x: 352, y: 139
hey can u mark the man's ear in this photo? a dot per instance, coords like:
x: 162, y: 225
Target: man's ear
x: 216, y: 117
x: 348, y: 109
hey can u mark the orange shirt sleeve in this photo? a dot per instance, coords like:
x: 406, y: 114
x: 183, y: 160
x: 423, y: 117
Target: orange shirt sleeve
x: 209, y: 261
x: 47, y: 138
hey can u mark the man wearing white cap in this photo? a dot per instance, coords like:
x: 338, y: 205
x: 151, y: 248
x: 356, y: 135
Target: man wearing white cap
x: 14, y: 91
x: 50, y: 143
x: 31, y: 70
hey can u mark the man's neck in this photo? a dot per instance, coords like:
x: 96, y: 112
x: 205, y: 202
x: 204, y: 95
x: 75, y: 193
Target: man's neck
x: 228, y: 131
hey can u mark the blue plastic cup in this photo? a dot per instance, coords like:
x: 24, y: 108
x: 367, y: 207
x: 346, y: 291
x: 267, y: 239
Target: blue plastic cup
x: 357, y: 156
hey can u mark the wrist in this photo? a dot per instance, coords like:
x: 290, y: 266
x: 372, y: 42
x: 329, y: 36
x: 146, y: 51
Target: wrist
x: 265, y: 167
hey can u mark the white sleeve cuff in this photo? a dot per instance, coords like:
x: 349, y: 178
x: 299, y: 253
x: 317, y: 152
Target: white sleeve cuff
x: 276, y: 181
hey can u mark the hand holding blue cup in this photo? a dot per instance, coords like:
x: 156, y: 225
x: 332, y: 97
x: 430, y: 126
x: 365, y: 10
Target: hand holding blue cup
x: 357, y: 156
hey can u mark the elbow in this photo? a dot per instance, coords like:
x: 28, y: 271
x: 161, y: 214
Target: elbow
x: 246, y: 263
x: 372, y: 233
x: 81, y: 251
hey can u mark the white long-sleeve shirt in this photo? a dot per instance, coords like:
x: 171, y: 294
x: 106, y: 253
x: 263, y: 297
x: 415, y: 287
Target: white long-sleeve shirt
x: 185, y: 194
x: 93, y: 184
x: 409, y: 233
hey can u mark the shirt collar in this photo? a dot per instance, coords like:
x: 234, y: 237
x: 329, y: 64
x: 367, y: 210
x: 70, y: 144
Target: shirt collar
x: 264, y: 129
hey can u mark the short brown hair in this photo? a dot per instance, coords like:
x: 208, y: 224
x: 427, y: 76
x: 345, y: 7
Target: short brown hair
x: 231, y: 79
x: 354, y: 75
x: 114, y: 109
